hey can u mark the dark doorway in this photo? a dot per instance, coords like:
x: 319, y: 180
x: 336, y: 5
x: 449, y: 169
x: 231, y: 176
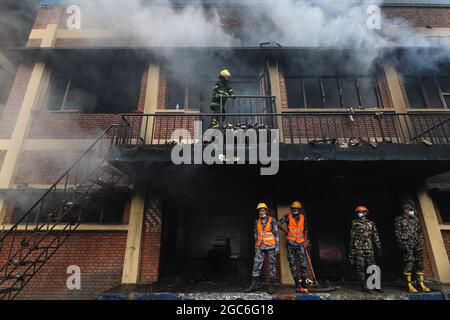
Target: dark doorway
x: 330, y: 210
x: 208, y: 229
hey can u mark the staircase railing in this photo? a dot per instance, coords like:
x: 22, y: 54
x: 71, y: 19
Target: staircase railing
x: 31, y: 240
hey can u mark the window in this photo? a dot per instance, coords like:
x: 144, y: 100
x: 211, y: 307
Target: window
x: 442, y: 201
x: 427, y: 92
x: 95, y: 88
x: 108, y: 210
x: 294, y: 91
x: 183, y: 94
x: 332, y: 92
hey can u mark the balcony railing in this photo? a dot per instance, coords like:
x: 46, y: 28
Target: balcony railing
x: 297, y: 128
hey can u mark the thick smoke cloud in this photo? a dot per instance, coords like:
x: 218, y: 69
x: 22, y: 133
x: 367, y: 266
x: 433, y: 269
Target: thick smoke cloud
x: 291, y: 23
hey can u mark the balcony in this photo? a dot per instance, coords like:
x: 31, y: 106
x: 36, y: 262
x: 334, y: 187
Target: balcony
x: 382, y: 141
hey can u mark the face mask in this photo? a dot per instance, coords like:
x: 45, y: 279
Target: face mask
x: 262, y: 214
x: 361, y: 215
x: 411, y: 213
x: 295, y: 212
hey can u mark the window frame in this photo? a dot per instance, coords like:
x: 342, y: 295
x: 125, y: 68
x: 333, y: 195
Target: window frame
x: 187, y: 85
x: 337, y: 78
x: 424, y: 94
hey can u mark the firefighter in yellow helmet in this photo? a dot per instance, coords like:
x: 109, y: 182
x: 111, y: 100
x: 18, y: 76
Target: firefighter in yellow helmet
x: 296, y: 240
x: 266, y: 244
x: 221, y: 91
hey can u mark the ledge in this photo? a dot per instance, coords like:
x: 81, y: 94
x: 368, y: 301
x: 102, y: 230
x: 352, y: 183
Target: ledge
x: 81, y: 227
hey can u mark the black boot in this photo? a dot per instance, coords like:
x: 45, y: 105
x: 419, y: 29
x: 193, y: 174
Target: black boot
x: 254, y: 286
x: 271, y: 289
x: 298, y: 285
x: 303, y: 286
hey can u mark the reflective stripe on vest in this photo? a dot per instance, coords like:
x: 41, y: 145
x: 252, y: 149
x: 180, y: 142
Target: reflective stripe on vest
x: 296, y: 231
x: 265, y: 236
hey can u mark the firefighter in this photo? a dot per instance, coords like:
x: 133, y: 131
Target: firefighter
x: 221, y: 91
x: 266, y: 244
x: 408, y: 232
x: 296, y: 240
x: 364, y: 244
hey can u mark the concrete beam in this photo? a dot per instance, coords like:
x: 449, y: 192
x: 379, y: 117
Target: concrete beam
x: 23, y: 119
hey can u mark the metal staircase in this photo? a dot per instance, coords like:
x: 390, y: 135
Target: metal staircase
x: 31, y: 241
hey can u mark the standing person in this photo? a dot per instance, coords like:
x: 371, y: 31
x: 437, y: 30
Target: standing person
x: 221, y: 91
x: 408, y: 232
x: 266, y: 244
x: 364, y: 243
x: 296, y: 240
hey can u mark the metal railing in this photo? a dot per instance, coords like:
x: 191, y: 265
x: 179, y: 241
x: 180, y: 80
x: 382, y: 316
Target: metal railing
x: 246, y: 110
x: 299, y: 127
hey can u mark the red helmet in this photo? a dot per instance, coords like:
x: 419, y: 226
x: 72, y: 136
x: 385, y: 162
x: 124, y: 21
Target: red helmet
x: 361, y: 208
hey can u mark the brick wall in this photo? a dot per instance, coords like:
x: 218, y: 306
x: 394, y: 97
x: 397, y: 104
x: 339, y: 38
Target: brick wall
x: 48, y: 15
x: 162, y: 91
x: 427, y: 269
x: 100, y: 256
x: 54, y: 125
x: 151, y: 242
x: 15, y: 100
x: 420, y: 17
x: 43, y: 166
x: 446, y: 237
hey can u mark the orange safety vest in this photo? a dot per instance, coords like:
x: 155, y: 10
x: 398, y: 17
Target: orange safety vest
x: 265, y: 236
x: 296, y: 232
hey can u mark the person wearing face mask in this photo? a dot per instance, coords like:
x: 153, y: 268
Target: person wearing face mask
x: 266, y: 244
x: 364, y: 243
x: 408, y: 232
x: 296, y: 239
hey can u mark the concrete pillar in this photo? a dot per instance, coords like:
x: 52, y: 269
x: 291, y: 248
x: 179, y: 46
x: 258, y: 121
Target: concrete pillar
x: 132, y: 261
x: 433, y: 237
x: 397, y: 98
x: 151, y: 100
x: 276, y: 91
x: 285, y: 272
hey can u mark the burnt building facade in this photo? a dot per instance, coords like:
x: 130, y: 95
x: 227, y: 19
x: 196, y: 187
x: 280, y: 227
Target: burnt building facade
x: 87, y: 180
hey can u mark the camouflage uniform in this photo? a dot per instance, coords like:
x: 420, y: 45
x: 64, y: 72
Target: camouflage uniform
x: 263, y: 250
x: 221, y: 88
x: 364, y: 242
x: 408, y: 232
x: 296, y: 252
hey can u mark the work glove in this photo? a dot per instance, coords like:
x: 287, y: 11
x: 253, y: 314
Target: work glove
x: 277, y: 249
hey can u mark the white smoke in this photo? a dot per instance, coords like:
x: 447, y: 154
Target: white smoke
x: 291, y: 23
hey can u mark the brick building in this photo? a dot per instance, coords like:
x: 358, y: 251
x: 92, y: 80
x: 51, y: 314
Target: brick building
x: 86, y: 101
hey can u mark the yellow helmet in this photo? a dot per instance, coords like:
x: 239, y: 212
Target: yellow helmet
x: 225, y: 73
x: 296, y: 205
x: 262, y: 205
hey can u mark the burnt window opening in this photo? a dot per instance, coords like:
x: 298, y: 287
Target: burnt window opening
x: 442, y: 202
x: 332, y: 92
x: 188, y: 92
x: 108, y: 210
x: 427, y: 91
x: 95, y: 88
